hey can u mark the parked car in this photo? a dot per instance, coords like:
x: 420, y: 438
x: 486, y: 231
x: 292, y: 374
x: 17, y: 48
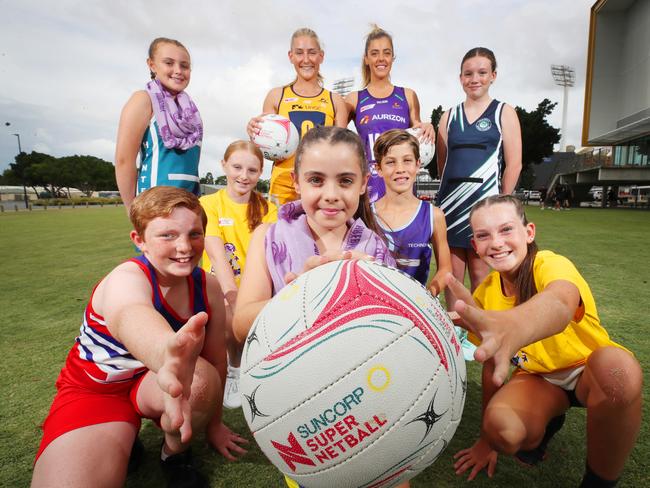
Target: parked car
x: 528, y: 195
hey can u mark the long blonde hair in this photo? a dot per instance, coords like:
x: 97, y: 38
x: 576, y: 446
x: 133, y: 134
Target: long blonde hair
x: 307, y: 32
x: 258, y: 207
x: 376, y: 33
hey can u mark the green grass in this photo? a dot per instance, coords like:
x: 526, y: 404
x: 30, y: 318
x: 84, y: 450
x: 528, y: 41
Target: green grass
x: 51, y: 260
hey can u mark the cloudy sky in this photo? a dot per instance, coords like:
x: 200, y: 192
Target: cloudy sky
x: 67, y: 67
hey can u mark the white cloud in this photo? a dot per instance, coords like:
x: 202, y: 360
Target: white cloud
x: 68, y: 67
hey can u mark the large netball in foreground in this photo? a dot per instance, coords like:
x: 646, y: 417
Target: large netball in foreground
x: 277, y: 138
x: 352, y: 376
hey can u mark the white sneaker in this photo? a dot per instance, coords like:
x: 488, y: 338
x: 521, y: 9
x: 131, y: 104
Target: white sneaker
x: 231, y: 395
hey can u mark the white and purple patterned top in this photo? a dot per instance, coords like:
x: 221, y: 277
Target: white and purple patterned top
x: 289, y: 242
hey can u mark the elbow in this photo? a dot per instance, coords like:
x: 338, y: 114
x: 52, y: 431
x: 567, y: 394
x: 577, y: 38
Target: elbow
x: 239, y: 328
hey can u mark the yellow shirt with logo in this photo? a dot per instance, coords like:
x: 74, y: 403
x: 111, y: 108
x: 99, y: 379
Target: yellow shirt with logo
x: 304, y: 113
x: 572, y: 346
x: 227, y: 220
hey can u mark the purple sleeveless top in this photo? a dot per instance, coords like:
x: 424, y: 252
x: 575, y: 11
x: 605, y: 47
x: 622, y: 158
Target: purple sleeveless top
x: 411, y: 243
x: 373, y: 117
x: 289, y: 242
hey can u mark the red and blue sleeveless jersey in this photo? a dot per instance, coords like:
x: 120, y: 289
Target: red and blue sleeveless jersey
x: 103, y: 359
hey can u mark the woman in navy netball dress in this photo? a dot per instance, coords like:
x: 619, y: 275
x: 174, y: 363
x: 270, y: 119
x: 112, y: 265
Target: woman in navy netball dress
x: 479, y: 154
x: 382, y: 106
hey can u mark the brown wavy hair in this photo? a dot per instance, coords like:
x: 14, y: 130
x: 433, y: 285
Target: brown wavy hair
x: 394, y: 137
x: 525, y: 279
x: 258, y: 207
x: 333, y: 135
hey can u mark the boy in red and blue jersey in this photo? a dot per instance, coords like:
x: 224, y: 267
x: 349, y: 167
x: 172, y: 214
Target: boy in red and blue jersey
x: 151, y: 345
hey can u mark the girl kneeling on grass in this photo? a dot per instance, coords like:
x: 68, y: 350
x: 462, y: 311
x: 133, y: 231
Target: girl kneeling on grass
x: 537, y: 309
x: 413, y: 227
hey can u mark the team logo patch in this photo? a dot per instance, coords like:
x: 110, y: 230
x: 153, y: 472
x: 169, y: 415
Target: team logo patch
x: 366, y: 107
x: 396, y: 105
x: 364, y: 120
x: 226, y: 222
x: 290, y: 99
x: 483, y: 124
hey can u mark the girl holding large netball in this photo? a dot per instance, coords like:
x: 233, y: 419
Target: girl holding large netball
x: 380, y: 105
x: 304, y: 101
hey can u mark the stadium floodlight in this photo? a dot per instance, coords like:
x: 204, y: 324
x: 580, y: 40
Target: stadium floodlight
x: 564, y: 76
x: 343, y: 86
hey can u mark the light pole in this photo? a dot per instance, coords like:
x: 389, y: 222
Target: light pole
x: 20, y: 151
x: 564, y: 76
x: 343, y: 86
x: 19, y: 148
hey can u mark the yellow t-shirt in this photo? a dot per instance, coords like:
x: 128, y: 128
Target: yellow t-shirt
x: 304, y: 113
x: 572, y: 346
x: 227, y: 220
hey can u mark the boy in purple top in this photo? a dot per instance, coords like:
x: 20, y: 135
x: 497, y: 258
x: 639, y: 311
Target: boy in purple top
x: 413, y: 227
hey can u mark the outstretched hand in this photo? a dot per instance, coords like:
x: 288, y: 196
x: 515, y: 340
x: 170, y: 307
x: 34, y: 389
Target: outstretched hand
x: 175, y: 375
x: 477, y: 457
x: 491, y: 327
x: 318, y: 260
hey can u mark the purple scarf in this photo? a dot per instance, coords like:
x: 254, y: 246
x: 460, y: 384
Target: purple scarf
x: 179, y: 121
x: 289, y: 242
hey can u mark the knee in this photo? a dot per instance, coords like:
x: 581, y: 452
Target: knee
x: 206, y: 387
x: 505, y: 432
x: 617, y: 375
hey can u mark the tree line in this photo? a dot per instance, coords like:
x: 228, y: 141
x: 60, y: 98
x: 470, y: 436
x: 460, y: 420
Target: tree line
x: 58, y: 175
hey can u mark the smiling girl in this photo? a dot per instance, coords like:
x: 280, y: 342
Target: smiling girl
x: 331, y: 221
x: 479, y: 154
x: 537, y: 309
x: 305, y: 102
x: 163, y: 125
x: 233, y: 214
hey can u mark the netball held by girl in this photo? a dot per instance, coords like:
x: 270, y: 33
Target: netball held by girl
x: 163, y: 125
x: 304, y: 101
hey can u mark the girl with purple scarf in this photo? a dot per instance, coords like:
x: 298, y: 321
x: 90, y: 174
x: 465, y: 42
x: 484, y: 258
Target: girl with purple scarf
x: 332, y: 220
x: 163, y: 124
